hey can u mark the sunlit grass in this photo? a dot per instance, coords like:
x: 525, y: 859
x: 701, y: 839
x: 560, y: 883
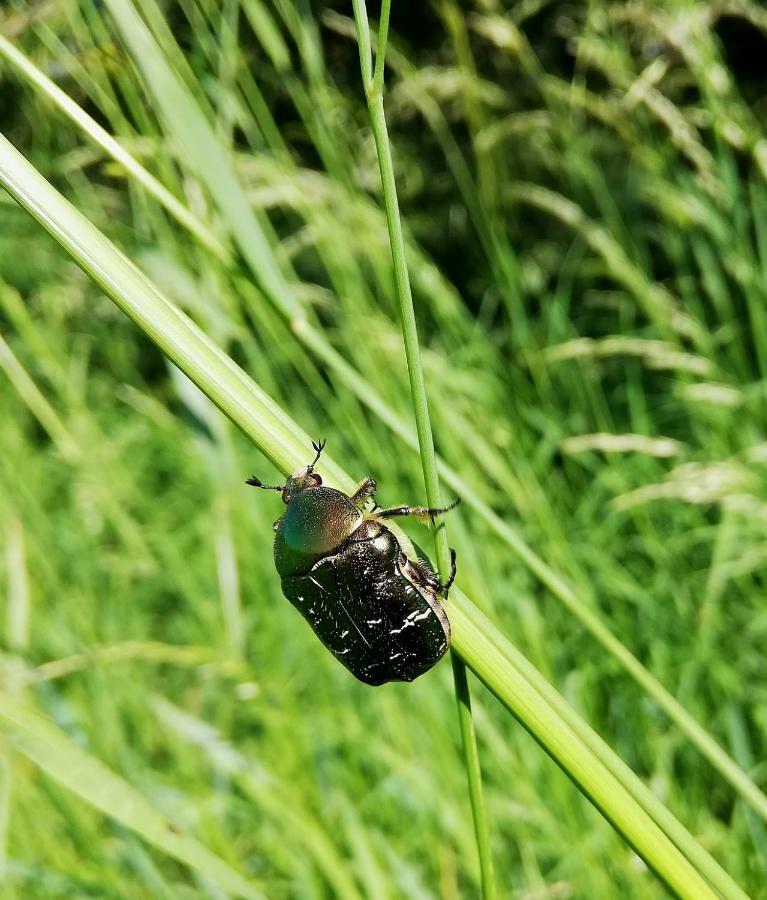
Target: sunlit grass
x: 610, y: 204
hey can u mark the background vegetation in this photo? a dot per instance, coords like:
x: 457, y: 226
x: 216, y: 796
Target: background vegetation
x: 583, y: 187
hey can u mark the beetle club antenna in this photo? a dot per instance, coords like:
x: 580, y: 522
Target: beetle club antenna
x: 319, y: 446
x: 256, y: 482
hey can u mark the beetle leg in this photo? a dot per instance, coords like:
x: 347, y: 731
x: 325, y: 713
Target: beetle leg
x: 449, y: 583
x: 365, y: 490
x: 430, y: 577
x: 425, y: 572
x: 420, y: 512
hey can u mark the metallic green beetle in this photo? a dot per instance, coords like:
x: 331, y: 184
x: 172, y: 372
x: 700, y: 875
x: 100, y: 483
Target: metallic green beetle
x: 351, y: 576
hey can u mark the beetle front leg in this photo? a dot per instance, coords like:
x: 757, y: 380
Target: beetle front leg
x: 365, y: 490
x: 420, y: 512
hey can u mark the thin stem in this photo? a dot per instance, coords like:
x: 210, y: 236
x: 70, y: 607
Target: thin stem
x: 383, y: 34
x: 409, y: 328
x: 374, y: 93
x: 363, y: 41
x: 473, y: 775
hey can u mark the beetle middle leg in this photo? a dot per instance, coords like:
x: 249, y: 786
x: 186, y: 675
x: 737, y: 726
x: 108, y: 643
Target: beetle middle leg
x: 423, y: 571
x: 444, y: 588
x: 420, y: 512
x: 365, y: 490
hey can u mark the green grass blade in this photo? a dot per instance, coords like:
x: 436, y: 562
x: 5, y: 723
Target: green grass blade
x: 187, y: 123
x: 36, y: 402
x: 706, y: 864
x: 112, y: 147
x: 205, y: 154
x: 512, y: 687
x: 374, y: 93
x: 207, y: 157
x: 56, y: 754
x: 284, y: 443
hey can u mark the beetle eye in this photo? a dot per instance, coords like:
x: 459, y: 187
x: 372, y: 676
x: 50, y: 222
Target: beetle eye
x: 316, y: 479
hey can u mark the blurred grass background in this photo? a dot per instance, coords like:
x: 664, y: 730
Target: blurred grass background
x: 584, y: 190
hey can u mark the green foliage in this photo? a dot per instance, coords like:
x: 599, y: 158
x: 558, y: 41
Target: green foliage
x: 583, y: 195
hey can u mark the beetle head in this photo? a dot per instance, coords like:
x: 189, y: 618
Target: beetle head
x: 300, y: 480
x: 304, y: 479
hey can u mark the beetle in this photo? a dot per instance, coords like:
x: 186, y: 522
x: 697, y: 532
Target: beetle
x: 374, y: 603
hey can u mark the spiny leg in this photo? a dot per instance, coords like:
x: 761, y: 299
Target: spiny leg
x: 451, y: 578
x: 425, y: 573
x: 420, y: 512
x: 430, y: 578
x: 365, y: 490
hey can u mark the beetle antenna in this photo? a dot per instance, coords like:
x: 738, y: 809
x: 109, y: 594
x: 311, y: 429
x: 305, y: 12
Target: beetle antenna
x: 318, y: 447
x: 255, y: 482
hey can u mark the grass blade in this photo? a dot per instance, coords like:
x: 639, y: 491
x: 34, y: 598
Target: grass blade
x: 112, y: 147
x: 478, y: 642
x: 188, y: 125
x: 57, y: 755
x: 205, y: 153
x: 374, y: 92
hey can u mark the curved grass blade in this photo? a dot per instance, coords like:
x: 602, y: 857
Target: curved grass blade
x: 282, y: 441
x: 189, y: 127
x: 112, y: 147
x: 56, y: 754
